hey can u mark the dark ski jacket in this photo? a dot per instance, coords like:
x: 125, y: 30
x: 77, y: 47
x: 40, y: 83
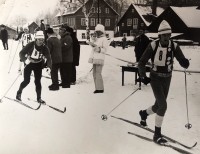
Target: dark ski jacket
x: 76, y: 49
x: 54, y: 45
x: 4, y: 35
x: 67, y: 48
x: 19, y: 36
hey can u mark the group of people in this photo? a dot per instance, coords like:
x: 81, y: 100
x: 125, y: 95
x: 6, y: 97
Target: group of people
x: 54, y: 53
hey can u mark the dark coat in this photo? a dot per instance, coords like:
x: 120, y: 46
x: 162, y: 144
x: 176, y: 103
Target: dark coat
x: 67, y: 48
x: 76, y: 50
x: 54, y: 45
x: 19, y: 35
x: 4, y: 35
x: 141, y: 43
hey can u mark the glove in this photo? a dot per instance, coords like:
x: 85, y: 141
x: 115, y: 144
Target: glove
x: 146, y: 80
x: 48, y: 71
x: 26, y: 62
x: 185, y: 63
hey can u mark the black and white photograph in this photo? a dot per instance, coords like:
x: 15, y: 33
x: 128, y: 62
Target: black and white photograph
x: 99, y: 76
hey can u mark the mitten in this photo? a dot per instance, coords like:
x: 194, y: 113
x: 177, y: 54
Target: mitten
x: 146, y: 80
x: 185, y: 63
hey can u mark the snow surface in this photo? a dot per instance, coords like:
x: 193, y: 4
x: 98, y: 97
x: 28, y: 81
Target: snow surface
x: 80, y: 129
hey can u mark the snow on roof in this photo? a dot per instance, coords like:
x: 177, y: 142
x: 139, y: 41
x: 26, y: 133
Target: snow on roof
x: 146, y: 10
x: 189, y: 15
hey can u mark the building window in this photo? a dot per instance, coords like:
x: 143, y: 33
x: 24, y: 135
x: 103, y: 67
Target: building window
x: 83, y: 36
x: 107, y: 22
x: 99, y: 10
x: 83, y: 22
x: 97, y: 20
x: 92, y: 22
x: 142, y: 24
x: 92, y: 10
x: 135, y: 23
x: 129, y: 22
x: 122, y: 24
x: 132, y: 10
x: 107, y: 10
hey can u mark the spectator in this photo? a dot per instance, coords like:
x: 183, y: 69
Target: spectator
x: 97, y: 56
x: 67, y: 56
x: 4, y: 37
x: 124, y: 41
x: 54, y: 45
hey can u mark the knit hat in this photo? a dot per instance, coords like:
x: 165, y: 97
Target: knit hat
x: 39, y: 35
x: 164, y: 28
x: 50, y: 31
x: 66, y: 27
x: 100, y: 27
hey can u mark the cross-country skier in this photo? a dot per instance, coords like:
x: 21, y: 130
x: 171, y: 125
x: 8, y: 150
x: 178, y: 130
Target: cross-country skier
x: 162, y: 53
x: 36, y: 52
x: 26, y: 37
x: 4, y: 37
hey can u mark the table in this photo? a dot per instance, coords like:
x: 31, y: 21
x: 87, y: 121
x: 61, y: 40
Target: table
x: 133, y: 69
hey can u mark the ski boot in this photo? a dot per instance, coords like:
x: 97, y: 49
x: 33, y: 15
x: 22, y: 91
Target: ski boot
x: 159, y: 139
x: 18, y: 97
x: 143, y: 114
x: 41, y: 101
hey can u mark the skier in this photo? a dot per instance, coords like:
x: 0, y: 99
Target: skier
x: 162, y: 53
x: 26, y: 37
x: 36, y: 52
x: 20, y: 34
x: 124, y: 42
x: 97, y: 57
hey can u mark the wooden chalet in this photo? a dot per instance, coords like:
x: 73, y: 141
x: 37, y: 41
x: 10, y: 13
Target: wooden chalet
x: 75, y: 18
x: 182, y: 20
x: 135, y: 18
x: 32, y: 27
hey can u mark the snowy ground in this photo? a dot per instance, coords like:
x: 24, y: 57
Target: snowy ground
x: 80, y: 129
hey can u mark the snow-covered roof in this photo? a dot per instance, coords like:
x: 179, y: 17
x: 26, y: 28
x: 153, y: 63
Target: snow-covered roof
x: 189, y: 15
x: 155, y: 35
x: 146, y: 10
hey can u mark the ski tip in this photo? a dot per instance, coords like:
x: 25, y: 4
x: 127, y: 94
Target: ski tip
x: 64, y: 110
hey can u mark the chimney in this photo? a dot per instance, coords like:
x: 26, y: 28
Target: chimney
x: 154, y: 7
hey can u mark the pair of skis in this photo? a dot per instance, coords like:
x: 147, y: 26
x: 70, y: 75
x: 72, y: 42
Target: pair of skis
x: 152, y: 131
x: 38, y: 107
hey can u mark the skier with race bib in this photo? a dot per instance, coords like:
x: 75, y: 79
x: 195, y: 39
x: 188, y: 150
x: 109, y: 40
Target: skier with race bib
x: 36, y: 52
x: 162, y: 53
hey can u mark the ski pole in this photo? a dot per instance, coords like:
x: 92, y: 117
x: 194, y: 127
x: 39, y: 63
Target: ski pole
x: 84, y: 77
x: 9, y: 87
x: 104, y: 117
x: 188, y: 125
x: 13, y: 58
x: 10, y: 50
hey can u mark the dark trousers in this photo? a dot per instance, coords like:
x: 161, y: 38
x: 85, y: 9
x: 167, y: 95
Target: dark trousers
x: 37, y: 69
x: 73, y: 78
x: 160, y: 87
x: 54, y: 73
x: 65, y: 73
x: 5, y: 44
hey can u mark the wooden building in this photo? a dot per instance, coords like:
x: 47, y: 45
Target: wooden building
x: 135, y: 18
x: 182, y: 20
x: 32, y: 27
x: 12, y: 32
x: 73, y: 15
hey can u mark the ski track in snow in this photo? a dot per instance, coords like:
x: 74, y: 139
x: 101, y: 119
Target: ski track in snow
x: 80, y: 129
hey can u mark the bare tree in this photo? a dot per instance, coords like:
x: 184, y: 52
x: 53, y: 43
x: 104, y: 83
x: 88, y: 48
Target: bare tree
x: 18, y: 20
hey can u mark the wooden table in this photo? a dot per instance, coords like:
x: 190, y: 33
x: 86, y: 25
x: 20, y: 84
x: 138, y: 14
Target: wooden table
x: 133, y: 69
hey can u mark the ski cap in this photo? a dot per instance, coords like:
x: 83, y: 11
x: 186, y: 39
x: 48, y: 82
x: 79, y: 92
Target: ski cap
x: 100, y: 27
x: 164, y: 28
x: 39, y: 34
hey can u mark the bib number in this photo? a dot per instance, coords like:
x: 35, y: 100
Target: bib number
x: 36, y: 55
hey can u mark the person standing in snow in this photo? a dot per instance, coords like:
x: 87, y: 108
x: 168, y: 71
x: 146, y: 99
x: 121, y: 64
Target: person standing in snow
x: 76, y: 56
x: 26, y: 38
x: 4, y: 37
x: 141, y: 43
x: 67, y: 56
x: 36, y: 52
x: 124, y: 42
x: 45, y: 33
x: 54, y: 45
x: 161, y: 52
x: 97, y: 56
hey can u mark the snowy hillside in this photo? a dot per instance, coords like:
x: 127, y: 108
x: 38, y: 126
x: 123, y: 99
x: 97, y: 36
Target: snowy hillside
x: 80, y: 129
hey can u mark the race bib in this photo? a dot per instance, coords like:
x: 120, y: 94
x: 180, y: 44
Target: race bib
x: 36, y: 54
x: 160, y: 56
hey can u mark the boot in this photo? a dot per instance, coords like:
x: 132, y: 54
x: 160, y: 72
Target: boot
x: 41, y: 101
x: 54, y: 87
x: 98, y: 91
x: 18, y: 97
x: 143, y: 114
x: 158, y: 138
